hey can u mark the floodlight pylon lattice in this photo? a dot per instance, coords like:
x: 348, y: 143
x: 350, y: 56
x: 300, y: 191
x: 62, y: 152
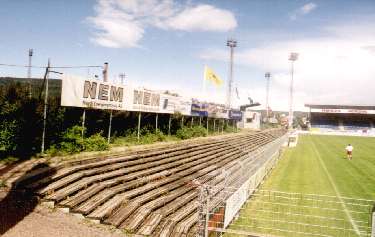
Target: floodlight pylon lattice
x: 292, y: 58
x: 231, y: 43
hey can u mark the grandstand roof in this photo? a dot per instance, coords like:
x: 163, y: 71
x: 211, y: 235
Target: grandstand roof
x: 357, y: 107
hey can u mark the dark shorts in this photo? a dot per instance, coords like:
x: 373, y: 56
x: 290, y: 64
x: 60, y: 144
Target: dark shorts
x: 349, y: 152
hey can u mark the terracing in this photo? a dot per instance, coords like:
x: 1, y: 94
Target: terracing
x: 150, y: 192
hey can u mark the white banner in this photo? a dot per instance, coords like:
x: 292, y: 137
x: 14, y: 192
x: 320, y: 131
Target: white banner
x: 168, y: 103
x: 90, y: 93
x: 235, y: 202
x: 184, y: 106
x: 174, y: 104
x: 143, y: 100
x: 81, y: 92
x: 343, y: 111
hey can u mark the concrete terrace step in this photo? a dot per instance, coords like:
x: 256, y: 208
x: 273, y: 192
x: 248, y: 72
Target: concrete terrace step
x: 151, y: 192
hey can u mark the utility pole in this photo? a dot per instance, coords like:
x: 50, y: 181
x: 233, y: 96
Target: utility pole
x: 292, y: 58
x: 267, y: 75
x: 232, y: 44
x: 29, y: 71
x: 105, y: 72
x: 45, y: 107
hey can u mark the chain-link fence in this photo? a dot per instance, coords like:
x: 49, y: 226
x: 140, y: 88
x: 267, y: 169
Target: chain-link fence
x: 239, y: 208
x: 273, y: 213
x: 224, y: 201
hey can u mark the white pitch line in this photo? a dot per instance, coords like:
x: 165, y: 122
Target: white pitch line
x: 355, y: 227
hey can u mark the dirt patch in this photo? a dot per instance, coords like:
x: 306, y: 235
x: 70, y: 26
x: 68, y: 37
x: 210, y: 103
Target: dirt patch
x: 19, y: 221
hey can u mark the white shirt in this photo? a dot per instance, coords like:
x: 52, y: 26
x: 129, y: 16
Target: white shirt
x: 349, y: 148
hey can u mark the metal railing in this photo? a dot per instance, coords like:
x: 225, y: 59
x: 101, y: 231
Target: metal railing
x: 239, y: 208
x: 225, y: 200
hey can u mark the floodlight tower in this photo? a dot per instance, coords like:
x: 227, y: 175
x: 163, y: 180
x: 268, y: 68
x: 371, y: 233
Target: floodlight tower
x: 122, y: 77
x: 231, y: 43
x: 292, y: 58
x: 29, y: 70
x: 267, y: 76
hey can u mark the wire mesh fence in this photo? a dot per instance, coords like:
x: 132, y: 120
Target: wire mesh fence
x: 275, y: 213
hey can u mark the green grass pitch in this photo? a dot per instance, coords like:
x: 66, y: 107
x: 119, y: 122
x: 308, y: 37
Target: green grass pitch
x: 318, y: 166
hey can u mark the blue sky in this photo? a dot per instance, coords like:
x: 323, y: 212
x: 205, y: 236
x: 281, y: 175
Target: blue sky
x: 164, y: 44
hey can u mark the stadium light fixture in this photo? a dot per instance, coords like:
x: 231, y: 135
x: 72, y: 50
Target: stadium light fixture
x: 267, y: 76
x: 232, y: 44
x: 292, y: 58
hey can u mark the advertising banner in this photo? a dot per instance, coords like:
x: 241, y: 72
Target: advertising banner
x: 175, y: 104
x: 168, y: 103
x: 343, y: 111
x: 217, y: 111
x: 143, y: 100
x: 235, y: 114
x: 199, y: 109
x: 235, y: 202
x: 183, y: 106
x: 222, y: 114
x: 90, y: 93
x: 212, y: 110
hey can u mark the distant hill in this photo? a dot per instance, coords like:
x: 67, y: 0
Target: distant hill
x: 54, y: 85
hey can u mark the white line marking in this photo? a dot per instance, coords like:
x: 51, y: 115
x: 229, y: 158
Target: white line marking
x: 355, y: 227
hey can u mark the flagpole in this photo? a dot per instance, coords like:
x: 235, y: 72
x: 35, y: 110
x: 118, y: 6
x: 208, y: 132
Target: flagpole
x: 204, y: 82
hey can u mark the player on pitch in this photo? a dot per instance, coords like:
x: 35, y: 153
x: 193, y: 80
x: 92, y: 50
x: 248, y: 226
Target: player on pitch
x: 349, y: 151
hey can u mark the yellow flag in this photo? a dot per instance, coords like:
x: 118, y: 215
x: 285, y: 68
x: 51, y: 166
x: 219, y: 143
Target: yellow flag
x: 210, y: 75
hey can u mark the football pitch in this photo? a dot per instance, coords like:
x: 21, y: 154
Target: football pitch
x: 316, y: 191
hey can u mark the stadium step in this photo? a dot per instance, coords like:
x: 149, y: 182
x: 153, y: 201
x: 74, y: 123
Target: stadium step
x: 151, y: 192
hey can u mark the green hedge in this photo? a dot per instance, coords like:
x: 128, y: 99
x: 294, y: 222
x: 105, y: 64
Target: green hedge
x: 187, y: 132
x: 72, y: 142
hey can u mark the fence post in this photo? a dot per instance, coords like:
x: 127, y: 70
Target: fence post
x: 110, y: 127
x: 207, y: 126
x: 373, y: 223
x: 201, y: 211
x: 83, y: 122
x: 207, y: 213
x: 169, y: 124
x: 139, y: 125
x: 156, y: 122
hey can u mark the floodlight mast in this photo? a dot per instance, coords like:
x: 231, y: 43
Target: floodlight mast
x: 122, y: 77
x: 29, y: 71
x: 267, y: 75
x: 232, y: 44
x: 292, y: 58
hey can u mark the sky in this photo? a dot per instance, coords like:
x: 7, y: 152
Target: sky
x: 165, y: 44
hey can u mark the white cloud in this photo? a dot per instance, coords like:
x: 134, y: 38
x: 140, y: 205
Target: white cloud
x: 338, y: 69
x: 307, y: 8
x: 304, y: 10
x: 123, y: 23
x: 203, y: 18
x: 118, y: 33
